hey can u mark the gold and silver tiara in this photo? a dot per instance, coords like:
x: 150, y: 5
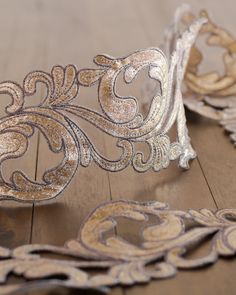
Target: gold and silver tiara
x: 56, y: 118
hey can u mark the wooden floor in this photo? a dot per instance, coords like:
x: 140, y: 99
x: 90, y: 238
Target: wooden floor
x: 36, y: 34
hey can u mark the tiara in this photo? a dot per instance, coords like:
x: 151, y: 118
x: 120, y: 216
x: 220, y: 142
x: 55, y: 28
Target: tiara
x: 99, y: 258
x: 119, y: 118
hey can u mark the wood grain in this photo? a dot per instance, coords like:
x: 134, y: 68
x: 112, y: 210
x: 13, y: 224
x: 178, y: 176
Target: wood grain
x: 39, y: 34
x: 19, y: 49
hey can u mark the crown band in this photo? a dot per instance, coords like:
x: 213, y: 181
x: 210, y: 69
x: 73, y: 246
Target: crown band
x: 119, y: 118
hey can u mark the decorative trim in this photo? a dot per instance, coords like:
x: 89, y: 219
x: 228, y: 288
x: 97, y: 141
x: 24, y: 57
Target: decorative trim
x: 119, y: 118
x: 209, y: 94
x: 165, y: 244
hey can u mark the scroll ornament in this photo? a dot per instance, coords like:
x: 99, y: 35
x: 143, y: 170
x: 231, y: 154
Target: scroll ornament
x: 210, y: 94
x: 120, y: 118
x: 100, y: 257
x: 96, y: 260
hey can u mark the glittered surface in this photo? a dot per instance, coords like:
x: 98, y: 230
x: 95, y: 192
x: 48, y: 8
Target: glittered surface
x: 119, y: 117
x: 40, y: 34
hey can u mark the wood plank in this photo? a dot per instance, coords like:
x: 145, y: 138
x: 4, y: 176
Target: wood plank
x: 60, y: 221
x: 89, y: 186
x: 171, y: 185
x: 217, y: 279
x: 19, y: 50
x: 215, y: 153
x: 180, y: 190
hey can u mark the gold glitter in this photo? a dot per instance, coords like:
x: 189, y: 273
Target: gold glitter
x: 119, y: 118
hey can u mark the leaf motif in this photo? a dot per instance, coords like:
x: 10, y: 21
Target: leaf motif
x: 17, y: 94
x: 61, y: 85
x: 162, y: 145
x: 88, y: 77
x: 65, y: 85
x: 205, y: 217
x: 35, y: 77
x: 58, y: 81
x: 104, y: 60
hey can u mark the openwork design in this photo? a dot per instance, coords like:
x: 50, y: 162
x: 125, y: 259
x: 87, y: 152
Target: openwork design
x: 161, y: 253
x: 210, y: 94
x: 119, y: 118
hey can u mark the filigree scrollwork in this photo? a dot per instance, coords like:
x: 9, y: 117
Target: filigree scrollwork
x: 119, y: 118
x: 165, y: 245
x: 210, y: 94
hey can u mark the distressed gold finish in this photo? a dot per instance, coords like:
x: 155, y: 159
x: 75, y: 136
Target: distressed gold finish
x: 166, y: 241
x: 119, y: 118
x: 210, y: 94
